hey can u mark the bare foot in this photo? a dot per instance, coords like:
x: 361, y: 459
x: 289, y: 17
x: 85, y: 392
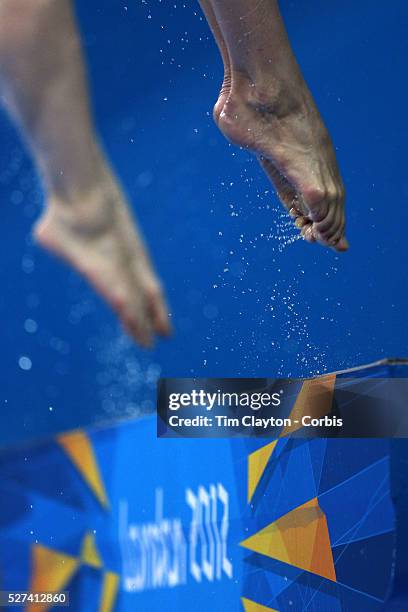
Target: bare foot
x: 282, y: 126
x: 98, y: 237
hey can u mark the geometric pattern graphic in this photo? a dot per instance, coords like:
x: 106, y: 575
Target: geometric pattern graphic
x: 331, y: 544
x: 314, y: 399
x: 79, y: 449
x: 317, y: 535
x: 300, y: 538
x: 53, y: 571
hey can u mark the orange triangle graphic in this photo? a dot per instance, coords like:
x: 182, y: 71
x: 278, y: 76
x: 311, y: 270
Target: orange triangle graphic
x: 252, y: 606
x: 79, y: 449
x: 89, y: 552
x: 51, y: 571
x: 314, y: 399
x: 299, y: 538
x: 110, y: 589
x: 257, y: 462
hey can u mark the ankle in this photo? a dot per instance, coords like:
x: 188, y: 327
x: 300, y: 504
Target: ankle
x: 268, y: 95
x: 251, y: 107
x: 91, y: 209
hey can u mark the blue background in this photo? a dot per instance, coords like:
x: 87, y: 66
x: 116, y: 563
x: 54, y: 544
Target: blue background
x: 246, y: 299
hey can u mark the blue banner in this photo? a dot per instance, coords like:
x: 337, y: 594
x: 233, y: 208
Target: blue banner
x: 124, y: 521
